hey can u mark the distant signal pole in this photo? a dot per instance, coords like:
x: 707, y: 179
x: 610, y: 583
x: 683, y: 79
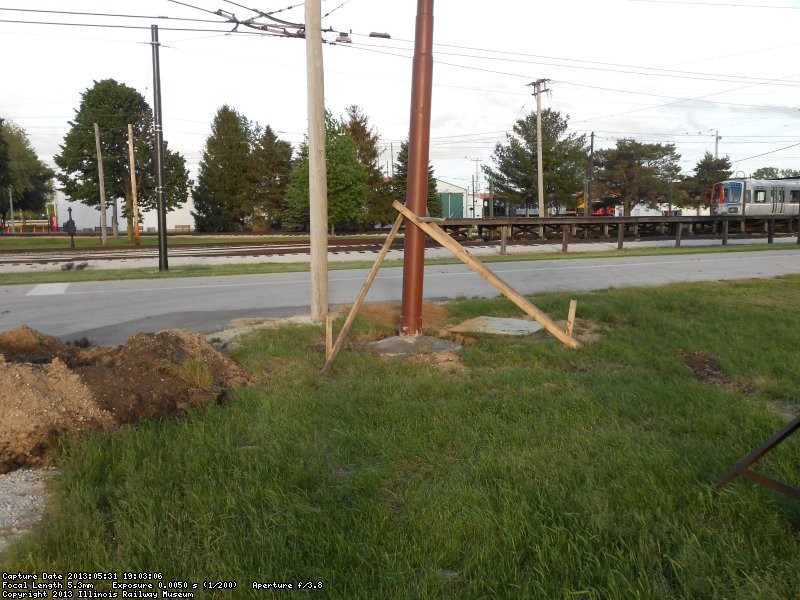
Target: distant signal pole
x: 159, y: 152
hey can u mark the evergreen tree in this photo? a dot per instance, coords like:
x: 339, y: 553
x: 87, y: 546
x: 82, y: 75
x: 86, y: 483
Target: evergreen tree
x: 697, y: 188
x: 113, y: 106
x: 347, y: 182
x: 268, y: 172
x: 400, y: 183
x: 515, y: 173
x: 221, y: 194
x: 379, y: 197
x: 636, y: 173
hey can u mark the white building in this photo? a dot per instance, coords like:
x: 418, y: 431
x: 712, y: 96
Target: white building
x: 87, y: 218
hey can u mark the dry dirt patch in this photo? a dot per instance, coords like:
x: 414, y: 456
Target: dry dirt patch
x: 48, y: 388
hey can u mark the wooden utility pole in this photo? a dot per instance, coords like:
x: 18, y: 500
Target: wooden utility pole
x: 134, y: 194
x: 11, y: 205
x: 103, y: 224
x: 540, y: 175
x: 588, y: 204
x: 717, y: 138
x: 318, y: 180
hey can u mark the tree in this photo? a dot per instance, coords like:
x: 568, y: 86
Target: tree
x: 515, y: 177
x: 347, y: 182
x: 222, y: 181
x: 707, y: 172
x: 774, y: 173
x: 400, y: 182
x: 636, y: 173
x: 379, y: 197
x: 4, y: 173
x: 113, y: 106
x: 29, y: 178
x: 269, y: 168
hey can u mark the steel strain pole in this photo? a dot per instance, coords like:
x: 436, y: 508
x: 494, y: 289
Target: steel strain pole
x: 159, y: 153
x: 418, y: 160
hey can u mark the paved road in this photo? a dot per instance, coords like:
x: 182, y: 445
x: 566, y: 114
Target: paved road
x: 108, y: 312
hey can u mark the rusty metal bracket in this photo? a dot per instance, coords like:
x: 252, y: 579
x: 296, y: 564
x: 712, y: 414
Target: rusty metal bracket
x: 742, y: 468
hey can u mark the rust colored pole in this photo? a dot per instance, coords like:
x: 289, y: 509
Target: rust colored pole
x: 418, y: 160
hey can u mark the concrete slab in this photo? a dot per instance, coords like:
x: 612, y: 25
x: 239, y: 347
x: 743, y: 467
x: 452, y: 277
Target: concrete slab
x: 498, y: 326
x: 404, y: 345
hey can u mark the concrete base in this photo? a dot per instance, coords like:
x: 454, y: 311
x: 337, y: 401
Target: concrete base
x: 409, y: 345
x: 498, y: 326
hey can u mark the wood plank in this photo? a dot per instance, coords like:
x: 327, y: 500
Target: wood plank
x: 573, y: 306
x: 337, y: 346
x: 461, y: 253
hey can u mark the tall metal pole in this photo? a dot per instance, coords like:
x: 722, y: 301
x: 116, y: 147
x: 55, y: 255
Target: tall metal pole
x: 317, y: 175
x: 103, y: 223
x: 159, y: 152
x: 418, y: 160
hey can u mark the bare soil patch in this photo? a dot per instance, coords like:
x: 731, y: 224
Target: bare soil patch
x: 705, y: 368
x: 48, y: 388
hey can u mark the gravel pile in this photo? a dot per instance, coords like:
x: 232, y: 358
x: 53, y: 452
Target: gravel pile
x: 22, y: 501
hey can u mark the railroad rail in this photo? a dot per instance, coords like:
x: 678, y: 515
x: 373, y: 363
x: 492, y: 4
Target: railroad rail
x: 520, y: 231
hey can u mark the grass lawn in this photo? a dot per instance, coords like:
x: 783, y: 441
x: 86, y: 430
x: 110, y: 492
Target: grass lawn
x: 530, y: 471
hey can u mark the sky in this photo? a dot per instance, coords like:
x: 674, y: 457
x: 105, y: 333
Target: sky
x: 653, y: 70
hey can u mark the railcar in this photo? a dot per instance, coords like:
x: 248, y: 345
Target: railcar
x: 756, y: 197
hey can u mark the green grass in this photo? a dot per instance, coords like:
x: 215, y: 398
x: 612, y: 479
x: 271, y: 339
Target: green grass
x: 535, y: 472
x: 32, y: 278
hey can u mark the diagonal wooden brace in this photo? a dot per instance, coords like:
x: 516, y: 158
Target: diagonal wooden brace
x: 461, y: 253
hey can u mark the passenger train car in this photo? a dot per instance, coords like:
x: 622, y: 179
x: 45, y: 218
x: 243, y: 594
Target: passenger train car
x: 756, y: 197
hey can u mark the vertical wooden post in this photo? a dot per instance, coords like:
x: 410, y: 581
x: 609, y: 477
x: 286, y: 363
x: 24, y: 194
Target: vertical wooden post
x: 620, y: 235
x: 564, y: 238
x: 503, y: 237
x: 725, y: 232
x: 573, y: 305
x: 328, y: 335
x: 103, y: 224
x: 134, y: 193
x: 678, y: 233
x: 770, y: 231
x: 318, y: 179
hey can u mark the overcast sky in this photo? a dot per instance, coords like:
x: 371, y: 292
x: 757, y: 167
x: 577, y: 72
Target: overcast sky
x: 653, y: 70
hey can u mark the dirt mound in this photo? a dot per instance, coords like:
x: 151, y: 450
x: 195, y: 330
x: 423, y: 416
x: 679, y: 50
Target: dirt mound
x: 48, y: 388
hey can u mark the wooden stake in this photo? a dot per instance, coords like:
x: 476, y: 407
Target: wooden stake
x: 461, y: 253
x: 573, y: 305
x: 328, y: 335
x: 337, y: 346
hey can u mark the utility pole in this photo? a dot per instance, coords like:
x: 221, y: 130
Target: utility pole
x: 11, y: 205
x: 588, y: 204
x: 318, y: 180
x: 476, y: 184
x: 418, y: 160
x: 103, y: 223
x: 134, y: 194
x: 537, y: 85
x: 391, y: 150
x: 717, y: 138
x: 159, y: 152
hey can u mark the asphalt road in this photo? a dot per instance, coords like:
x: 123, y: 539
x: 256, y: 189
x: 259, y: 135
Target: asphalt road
x: 108, y: 312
